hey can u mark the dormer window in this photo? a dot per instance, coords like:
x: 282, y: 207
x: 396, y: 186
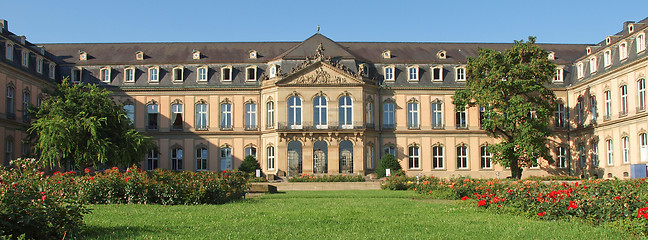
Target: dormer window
x: 52, y: 70
x: 461, y: 74
x: 253, y: 54
x: 437, y: 73
x: 441, y: 54
x: 607, y: 58
x: 386, y: 54
x: 630, y: 28
x: 9, y: 49
x: 412, y: 73
x: 39, y: 65
x: 641, y: 42
x: 139, y: 55
x: 364, y: 69
x: 551, y: 56
x: 75, y: 75
x: 608, y: 40
x: 25, y: 58
x: 202, y: 73
x: 104, y: 74
x: 273, y: 71
x: 226, y: 74
x: 580, y: 70
x: 195, y: 54
x: 588, y: 50
x: 559, y: 74
x: 129, y: 74
x: 593, y: 64
x: 389, y: 73
x: 154, y: 74
x: 623, y: 50
x: 83, y: 56
x: 178, y: 74
x: 250, y: 73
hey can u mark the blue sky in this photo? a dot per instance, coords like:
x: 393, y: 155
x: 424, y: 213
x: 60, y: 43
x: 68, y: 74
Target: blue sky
x: 566, y: 21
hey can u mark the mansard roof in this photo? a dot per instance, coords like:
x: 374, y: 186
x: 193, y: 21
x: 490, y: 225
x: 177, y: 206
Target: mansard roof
x: 238, y: 52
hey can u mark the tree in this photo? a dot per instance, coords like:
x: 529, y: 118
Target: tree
x: 517, y: 106
x: 387, y: 161
x: 81, y: 125
x: 249, y: 164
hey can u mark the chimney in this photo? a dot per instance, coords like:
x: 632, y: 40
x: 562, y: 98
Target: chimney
x: 41, y: 49
x: 4, y: 25
x: 22, y: 39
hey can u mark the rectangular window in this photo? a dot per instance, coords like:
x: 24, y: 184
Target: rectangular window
x: 461, y: 119
x: 11, y: 112
x: 153, y: 114
x: 250, y: 116
x: 152, y: 160
x: 413, y: 74
x: 176, y: 117
x: 561, y: 161
x: 226, y: 158
x: 608, y: 105
x: 39, y: 65
x: 271, y: 158
x: 104, y: 74
x: 370, y: 157
x: 608, y: 148
x: 580, y: 111
x: 437, y: 157
x: 52, y: 71
x: 625, y: 144
x: 251, y: 74
x: 641, y: 42
x: 227, y: 74
x: 388, y: 116
x: 75, y: 75
x: 624, y: 100
x: 226, y: 116
x: 462, y: 157
x: 623, y: 51
x: 153, y: 74
x: 559, y: 75
x: 595, y: 157
x: 25, y: 59
x: 176, y: 159
x: 202, y: 74
x: 580, y: 70
x: 607, y: 58
x: 593, y: 109
x: 201, y: 116
x: 389, y: 73
x: 270, y: 116
x: 582, y: 157
x: 370, y: 115
x: 201, y: 159
x: 437, y: 115
x: 641, y: 95
x: 414, y: 158
x: 486, y: 157
x: 413, y: 115
x: 129, y: 109
x: 482, y: 116
x: 593, y: 64
x: 461, y: 74
x: 26, y: 104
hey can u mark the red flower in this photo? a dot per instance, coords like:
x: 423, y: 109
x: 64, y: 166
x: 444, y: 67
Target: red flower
x: 643, y: 212
x: 87, y: 170
x: 127, y: 179
x: 463, y: 198
x: 572, y: 205
x: 540, y: 199
x: 541, y: 214
x: 128, y: 170
x: 43, y: 198
x: 617, y: 197
x: 481, y: 203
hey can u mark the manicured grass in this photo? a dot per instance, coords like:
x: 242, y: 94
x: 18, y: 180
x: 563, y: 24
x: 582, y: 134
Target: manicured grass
x: 372, y: 214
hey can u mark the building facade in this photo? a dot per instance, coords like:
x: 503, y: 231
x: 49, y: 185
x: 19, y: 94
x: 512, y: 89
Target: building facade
x: 325, y: 107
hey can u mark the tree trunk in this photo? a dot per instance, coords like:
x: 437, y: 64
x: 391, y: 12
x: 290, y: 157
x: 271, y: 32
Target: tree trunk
x: 516, y: 170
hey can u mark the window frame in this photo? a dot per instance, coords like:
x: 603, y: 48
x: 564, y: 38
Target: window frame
x: 177, y: 110
x: 320, y: 112
x: 625, y: 149
x: 623, y: 92
x: 561, y: 157
x: 438, y: 157
x: 39, y: 65
x: 460, y: 74
x: 413, y: 73
x: 175, y: 74
x: 229, y: 69
x: 295, y: 112
x: 177, y: 160
x: 202, y: 74
x: 389, y: 77
x: 105, y: 74
x: 607, y: 58
x: 10, y: 96
x: 413, y: 115
x: 345, y: 112
x: 437, y: 114
x: 608, y: 104
x: 593, y: 63
x: 389, y: 115
x: 461, y: 119
x: 580, y: 70
x: 52, y: 71
x: 129, y: 74
x: 251, y: 77
x: 609, y: 147
x: 24, y: 58
x: 641, y: 95
x: 559, y: 76
x: 152, y: 160
x: 152, y: 116
x: 462, y: 157
x: 226, y: 116
x: 414, y: 157
x: 154, y: 77
x: 202, y: 158
x: 251, y: 116
x: 623, y: 51
x: 76, y: 75
x: 486, y: 158
x: 434, y: 74
x: 270, y: 118
x: 270, y: 156
x: 641, y: 42
x: 9, y: 51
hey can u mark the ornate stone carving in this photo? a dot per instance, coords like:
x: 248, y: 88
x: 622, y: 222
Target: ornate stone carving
x: 320, y: 77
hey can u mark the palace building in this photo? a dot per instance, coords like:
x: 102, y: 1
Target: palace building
x: 326, y: 107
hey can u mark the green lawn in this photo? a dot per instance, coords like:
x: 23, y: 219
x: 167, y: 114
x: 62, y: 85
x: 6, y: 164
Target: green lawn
x: 374, y: 214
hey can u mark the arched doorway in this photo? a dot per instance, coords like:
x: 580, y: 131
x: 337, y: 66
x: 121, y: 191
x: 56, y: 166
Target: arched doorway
x: 346, y: 157
x: 294, y: 158
x: 320, y: 160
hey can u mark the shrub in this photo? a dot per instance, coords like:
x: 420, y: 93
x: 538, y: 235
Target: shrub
x: 327, y: 178
x: 32, y: 208
x: 249, y: 164
x: 387, y: 161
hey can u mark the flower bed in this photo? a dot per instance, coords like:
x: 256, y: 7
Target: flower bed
x: 327, y: 178
x: 617, y: 203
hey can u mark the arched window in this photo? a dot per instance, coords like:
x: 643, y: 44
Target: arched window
x: 294, y: 112
x: 437, y: 157
x: 346, y: 112
x: 320, y: 112
x: 271, y: 157
x: 202, y: 155
x: 641, y: 42
x: 176, y: 158
x: 462, y: 157
x: 486, y: 157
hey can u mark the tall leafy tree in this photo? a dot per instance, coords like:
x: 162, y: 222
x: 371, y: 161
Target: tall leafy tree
x: 81, y: 125
x: 510, y: 86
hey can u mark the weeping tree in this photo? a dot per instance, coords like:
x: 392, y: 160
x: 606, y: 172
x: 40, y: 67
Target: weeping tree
x: 81, y: 125
x: 510, y: 87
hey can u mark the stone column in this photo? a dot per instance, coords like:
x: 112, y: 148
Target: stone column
x: 358, y: 157
x: 334, y: 157
x: 307, y: 157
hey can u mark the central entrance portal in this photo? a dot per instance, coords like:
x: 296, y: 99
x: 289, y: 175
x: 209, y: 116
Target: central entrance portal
x: 346, y: 157
x: 320, y: 161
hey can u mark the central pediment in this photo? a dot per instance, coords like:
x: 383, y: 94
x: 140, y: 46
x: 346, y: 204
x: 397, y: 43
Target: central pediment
x: 320, y: 73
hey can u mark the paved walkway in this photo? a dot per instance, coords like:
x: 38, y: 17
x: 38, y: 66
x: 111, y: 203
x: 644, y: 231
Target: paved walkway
x: 324, y: 186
